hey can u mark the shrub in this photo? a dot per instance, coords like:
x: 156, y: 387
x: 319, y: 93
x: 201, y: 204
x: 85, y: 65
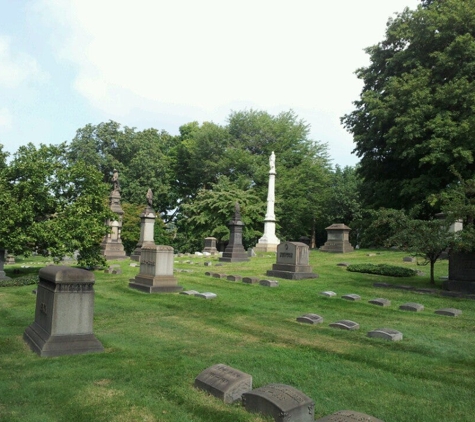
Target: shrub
x: 25, y: 280
x: 382, y: 269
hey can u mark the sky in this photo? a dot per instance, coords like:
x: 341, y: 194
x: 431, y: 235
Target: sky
x: 161, y: 64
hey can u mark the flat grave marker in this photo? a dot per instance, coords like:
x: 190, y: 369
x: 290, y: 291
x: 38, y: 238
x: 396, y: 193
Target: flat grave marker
x: 345, y: 324
x: 206, y: 295
x: 189, y: 292
x: 380, y: 301
x: 328, y: 293
x: 411, y: 306
x: 269, y: 283
x: 250, y: 280
x: 348, y: 416
x: 234, y: 278
x: 353, y: 297
x: 310, y: 319
x: 448, y: 312
x: 386, y: 334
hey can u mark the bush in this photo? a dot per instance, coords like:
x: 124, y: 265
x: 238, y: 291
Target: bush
x: 25, y: 280
x: 382, y: 269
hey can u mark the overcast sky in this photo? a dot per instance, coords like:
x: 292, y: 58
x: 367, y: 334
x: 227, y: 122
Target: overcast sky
x: 161, y: 64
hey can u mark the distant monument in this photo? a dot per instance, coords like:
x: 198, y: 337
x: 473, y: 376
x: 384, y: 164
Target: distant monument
x: 147, y: 223
x: 235, y: 251
x: 337, y: 239
x: 292, y: 262
x: 269, y: 241
x: 111, y: 246
x: 210, y: 246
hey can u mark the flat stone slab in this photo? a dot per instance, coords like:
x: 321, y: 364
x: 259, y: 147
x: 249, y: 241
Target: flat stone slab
x: 352, y: 296
x: 343, y: 264
x: 218, y: 275
x: 250, y: 280
x: 310, y: 319
x: 411, y: 306
x: 234, y: 278
x: 348, y: 416
x: 345, y: 324
x: 282, y: 402
x: 189, y: 292
x: 269, y: 283
x: 208, y: 273
x: 386, y: 334
x: 224, y: 382
x: 380, y: 302
x: 409, y: 259
x: 448, y: 312
x: 328, y: 293
x: 290, y: 275
x: 206, y: 295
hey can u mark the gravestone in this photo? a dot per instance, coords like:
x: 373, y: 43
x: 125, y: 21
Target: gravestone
x: 348, y: 416
x: 269, y: 283
x: 156, y: 270
x: 2, y: 264
x: 461, y: 273
x: 310, y: 319
x: 380, y: 302
x: 210, y: 246
x: 64, y: 313
x: 409, y: 259
x: 147, y: 227
x: 234, y: 278
x: 292, y: 262
x: 189, y: 292
x: 250, y: 280
x: 386, y: 334
x: 353, y: 297
x: 411, y: 306
x: 328, y: 293
x: 337, y: 239
x: 345, y: 324
x: 206, y: 295
x: 224, y: 382
x: 235, y: 251
x: 282, y: 402
x: 449, y: 312
x: 10, y: 259
x: 218, y: 275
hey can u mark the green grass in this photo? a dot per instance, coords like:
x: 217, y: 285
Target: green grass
x: 155, y: 346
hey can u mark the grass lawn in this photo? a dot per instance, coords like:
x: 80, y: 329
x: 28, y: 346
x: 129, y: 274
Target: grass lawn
x: 155, y: 346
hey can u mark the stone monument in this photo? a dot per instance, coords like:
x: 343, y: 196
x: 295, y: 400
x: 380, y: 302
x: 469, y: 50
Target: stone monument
x: 337, y: 239
x: 292, y: 262
x: 64, y: 313
x: 147, y: 224
x: 235, y: 251
x: 2, y: 263
x: 210, y: 246
x: 269, y: 241
x: 111, y: 246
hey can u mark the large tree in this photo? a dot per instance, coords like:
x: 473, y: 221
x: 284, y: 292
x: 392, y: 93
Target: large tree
x: 415, y: 117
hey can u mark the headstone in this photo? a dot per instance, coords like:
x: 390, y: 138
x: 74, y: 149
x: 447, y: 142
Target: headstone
x: 345, y: 324
x: 411, y: 306
x: 210, y: 246
x: 380, y: 302
x: 310, y: 319
x: 208, y: 273
x: 337, y: 239
x: 328, y: 293
x: 224, y: 382
x: 234, y: 278
x: 64, y: 313
x: 10, y: 259
x: 218, y: 275
x: 343, y: 264
x: 251, y: 253
x: 353, y: 297
x: 250, y: 280
x: 282, y: 402
x: 235, y: 251
x: 292, y: 262
x: 461, y: 273
x: 206, y: 295
x: 269, y: 283
x: 189, y: 292
x: 208, y: 264
x: 348, y: 416
x: 386, y: 334
x: 448, y: 312
x: 409, y: 259
x: 156, y: 270
x: 2, y: 263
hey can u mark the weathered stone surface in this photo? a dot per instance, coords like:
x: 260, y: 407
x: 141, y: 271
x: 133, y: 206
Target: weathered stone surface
x: 219, y: 275
x: 234, y: 278
x: 282, y: 402
x: 235, y: 251
x: 343, y: 264
x: 380, y: 301
x: 448, y: 312
x: 337, y: 239
x: 348, y: 416
x: 189, y: 292
x: 292, y: 262
x: 328, y: 293
x: 409, y: 259
x: 210, y: 246
x: 250, y: 280
x: 411, y: 306
x: 310, y: 319
x: 386, y: 334
x: 206, y: 295
x: 224, y: 382
x: 269, y: 283
x: 345, y: 324
x: 353, y: 297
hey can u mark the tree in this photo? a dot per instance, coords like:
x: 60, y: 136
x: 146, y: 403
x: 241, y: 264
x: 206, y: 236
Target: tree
x: 414, y: 118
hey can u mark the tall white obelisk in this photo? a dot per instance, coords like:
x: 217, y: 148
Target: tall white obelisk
x: 269, y: 241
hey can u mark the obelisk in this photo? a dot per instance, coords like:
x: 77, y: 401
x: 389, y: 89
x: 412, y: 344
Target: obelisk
x: 269, y: 241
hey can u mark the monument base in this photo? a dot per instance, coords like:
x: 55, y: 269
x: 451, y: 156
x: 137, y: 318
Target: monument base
x: 337, y: 247
x: 113, y: 250
x: 46, y: 345
x: 135, y: 256
x: 289, y: 275
x: 157, y: 284
x: 234, y: 254
x: 265, y: 247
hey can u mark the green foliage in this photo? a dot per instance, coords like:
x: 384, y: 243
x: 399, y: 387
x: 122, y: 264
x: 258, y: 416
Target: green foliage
x: 25, y: 280
x: 382, y: 269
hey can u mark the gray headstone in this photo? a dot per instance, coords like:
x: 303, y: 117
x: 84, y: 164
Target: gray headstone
x: 269, y: 283
x: 386, y: 334
x: 449, y: 312
x: 250, y: 280
x: 411, y: 306
x: 224, y: 382
x: 352, y: 296
x: 343, y: 264
x: 282, y: 402
x: 310, y: 319
x: 345, y: 324
x: 380, y: 302
x: 234, y: 278
x: 208, y: 264
x: 348, y: 416
x: 189, y: 292
x: 292, y: 262
x: 208, y: 273
x: 328, y: 293
x: 206, y: 295
x: 409, y: 259
x: 218, y: 275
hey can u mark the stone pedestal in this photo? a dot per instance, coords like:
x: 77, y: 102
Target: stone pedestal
x: 210, y: 246
x: 2, y: 263
x: 156, y: 270
x: 461, y: 273
x: 235, y: 251
x: 111, y: 246
x: 64, y: 313
x: 337, y: 239
x: 147, y: 224
x: 292, y: 262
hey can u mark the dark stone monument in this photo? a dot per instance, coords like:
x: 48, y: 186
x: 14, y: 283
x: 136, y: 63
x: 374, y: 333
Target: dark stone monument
x: 235, y: 251
x: 282, y: 402
x: 64, y: 313
x: 147, y: 224
x: 224, y: 382
x: 449, y: 312
x: 337, y: 239
x: 310, y: 319
x: 386, y: 334
x: 210, y: 246
x: 345, y: 324
x: 380, y: 302
x: 292, y: 262
x: 411, y: 306
x: 461, y: 273
x: 348, y: 416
